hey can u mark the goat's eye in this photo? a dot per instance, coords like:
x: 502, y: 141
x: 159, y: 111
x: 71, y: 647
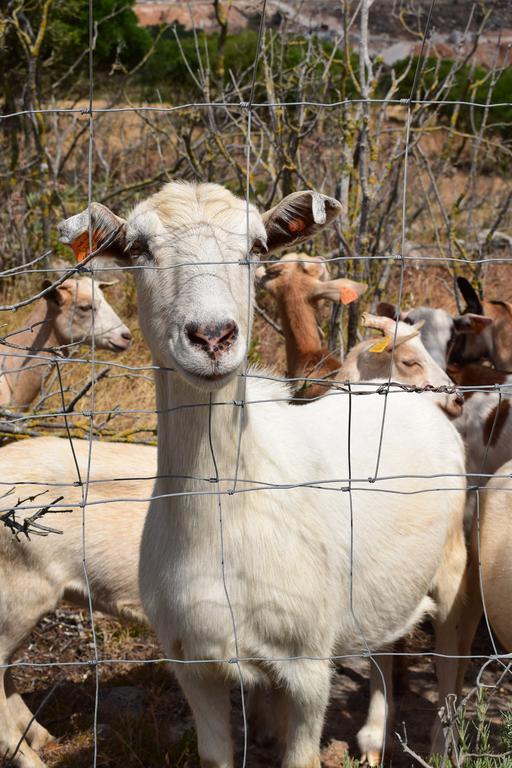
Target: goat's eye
x: 411, y: 363
x: 85, y: 307
x: 140, y: 247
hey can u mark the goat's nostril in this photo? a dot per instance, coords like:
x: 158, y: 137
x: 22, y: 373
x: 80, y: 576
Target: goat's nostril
x: 127, y: 335
x: 213, y: 337
x: 195, y: 336
x: 230, y: 332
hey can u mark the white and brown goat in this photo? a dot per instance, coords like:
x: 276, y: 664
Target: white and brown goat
x: 482, y: 332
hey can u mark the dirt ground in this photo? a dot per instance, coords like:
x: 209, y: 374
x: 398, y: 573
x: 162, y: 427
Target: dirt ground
x: 143, y: 719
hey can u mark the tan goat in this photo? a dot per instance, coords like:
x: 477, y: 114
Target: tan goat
x: 63, y: 318
x: 37, y: 574
x: 490, y: 565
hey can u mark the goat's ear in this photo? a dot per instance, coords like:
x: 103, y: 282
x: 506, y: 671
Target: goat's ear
x: 470, y: 296
x: 340, y: 290
x: 384, y: 309
x: 55, y: 296
x: 108, y: 234
x: 471, y: 323
x: 298, y: 217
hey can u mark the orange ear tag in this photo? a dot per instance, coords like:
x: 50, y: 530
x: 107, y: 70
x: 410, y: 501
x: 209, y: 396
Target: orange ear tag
x: 80, y: 245
x: 380, y: 345
x: 296, y: 225
x: 348, y: 295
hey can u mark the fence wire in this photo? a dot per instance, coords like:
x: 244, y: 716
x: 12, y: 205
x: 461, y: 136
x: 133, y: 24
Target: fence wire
x: 30, y: 517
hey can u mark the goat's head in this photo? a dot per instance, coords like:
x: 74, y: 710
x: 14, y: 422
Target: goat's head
x: 440, y: 330
x: 81, y: 313
x: 191, y: 247
x: 299, y: 277
x: 407, y: 362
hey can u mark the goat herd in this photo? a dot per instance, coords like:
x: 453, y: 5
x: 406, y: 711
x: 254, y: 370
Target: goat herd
x: 277, y: 534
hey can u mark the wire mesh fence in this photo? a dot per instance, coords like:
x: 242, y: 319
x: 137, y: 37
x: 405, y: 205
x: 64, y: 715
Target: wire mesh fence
x: 300, y: 526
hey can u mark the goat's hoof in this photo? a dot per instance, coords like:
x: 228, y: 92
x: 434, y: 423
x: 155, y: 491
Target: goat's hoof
x: 370, y: 739
x: 371, y: 758
x: 39, y: 738
x: 52, y: 744
x: 374, y: 757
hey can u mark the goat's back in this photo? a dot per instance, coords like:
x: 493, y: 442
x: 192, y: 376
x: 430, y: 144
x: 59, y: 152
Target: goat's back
x: 108, y: 529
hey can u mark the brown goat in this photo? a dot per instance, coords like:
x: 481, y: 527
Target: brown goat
x: 298, y: 282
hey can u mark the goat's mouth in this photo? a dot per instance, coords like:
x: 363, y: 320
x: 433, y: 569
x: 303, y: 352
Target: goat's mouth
x: 116, y: 346
x: 209, y: 381
x: 208, y: 376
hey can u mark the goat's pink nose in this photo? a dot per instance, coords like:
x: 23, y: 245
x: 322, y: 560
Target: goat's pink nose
x: 213, y: 338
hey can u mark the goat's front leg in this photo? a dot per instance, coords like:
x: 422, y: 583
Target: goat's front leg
x: 306, y: 693
x: 13, y: 746
x: 372, y: 736
x: 209, y: 699
x: 36, y: 735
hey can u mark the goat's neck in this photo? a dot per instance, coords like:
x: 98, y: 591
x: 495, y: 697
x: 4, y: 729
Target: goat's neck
x: 301, y: 334
x: 186, y: 424
x: 21, y: 365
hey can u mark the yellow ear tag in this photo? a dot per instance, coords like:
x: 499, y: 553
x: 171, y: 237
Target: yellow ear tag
x: 380, y: 345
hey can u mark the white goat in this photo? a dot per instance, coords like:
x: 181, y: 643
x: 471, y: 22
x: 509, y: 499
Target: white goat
x: 64, y: 317
x: 237, y: 568
x: 39, y: 573
x: 298, y: 282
